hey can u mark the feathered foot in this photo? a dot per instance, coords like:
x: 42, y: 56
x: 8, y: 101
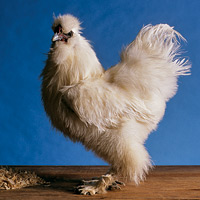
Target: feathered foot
x: 99, y: 186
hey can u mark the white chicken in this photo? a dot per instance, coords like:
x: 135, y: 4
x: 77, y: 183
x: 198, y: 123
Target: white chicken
x: 111, y: 112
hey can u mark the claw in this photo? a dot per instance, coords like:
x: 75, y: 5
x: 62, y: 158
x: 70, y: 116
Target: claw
x: 120, y: 183
x: 100, y: 186
x: 85, y: 190
x: 114, y: 187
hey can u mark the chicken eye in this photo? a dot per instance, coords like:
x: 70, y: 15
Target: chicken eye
x: 70, y: 34
x: 58, y: 29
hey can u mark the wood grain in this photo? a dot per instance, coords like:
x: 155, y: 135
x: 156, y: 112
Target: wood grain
x: 164, y: 182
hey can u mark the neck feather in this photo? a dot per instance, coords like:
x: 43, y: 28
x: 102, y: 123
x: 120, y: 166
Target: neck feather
x: 68, y: 65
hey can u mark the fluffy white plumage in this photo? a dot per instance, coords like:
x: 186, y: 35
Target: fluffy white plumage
x: 111, y: 112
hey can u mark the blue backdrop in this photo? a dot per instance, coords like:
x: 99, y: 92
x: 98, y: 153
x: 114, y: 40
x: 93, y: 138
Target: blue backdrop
x: 26, y: 136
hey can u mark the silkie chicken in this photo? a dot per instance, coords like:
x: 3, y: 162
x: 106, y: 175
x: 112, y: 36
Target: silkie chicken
x: 111, y: 112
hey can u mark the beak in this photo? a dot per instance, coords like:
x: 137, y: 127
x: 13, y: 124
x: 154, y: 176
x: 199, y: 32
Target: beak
x: 62, y: 36
x: 57, y: 37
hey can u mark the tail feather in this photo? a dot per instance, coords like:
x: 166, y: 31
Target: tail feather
x: 183, y: 67
x: 152, y: 61
x: 160, y: 41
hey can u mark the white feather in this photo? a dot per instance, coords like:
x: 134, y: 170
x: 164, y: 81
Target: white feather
x: 112, y: 112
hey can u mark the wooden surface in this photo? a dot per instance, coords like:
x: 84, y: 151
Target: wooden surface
x: 164, y: 182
